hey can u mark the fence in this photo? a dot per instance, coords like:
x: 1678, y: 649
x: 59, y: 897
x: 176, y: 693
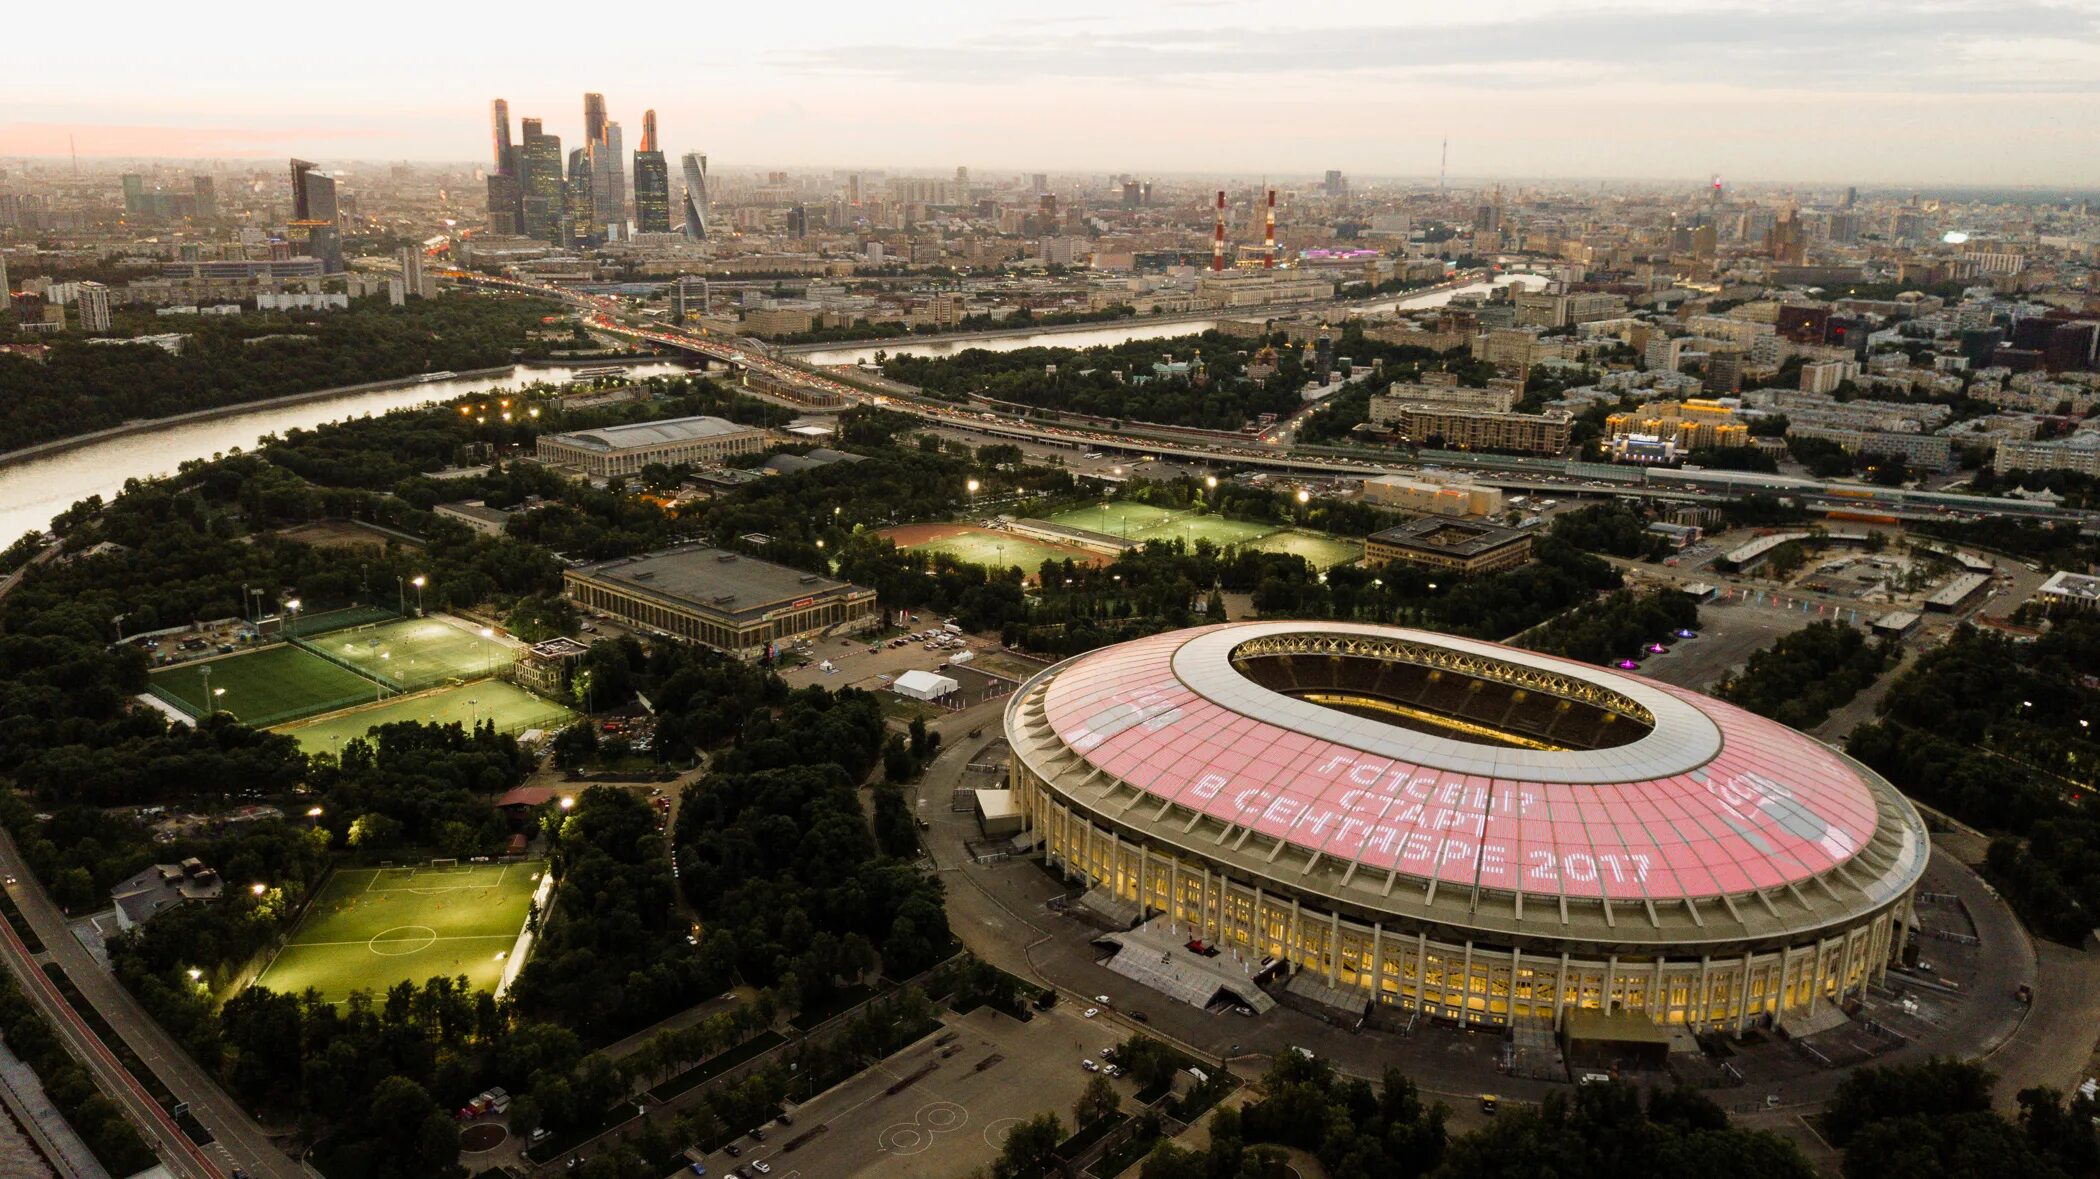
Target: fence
x: 357, y: 669
x: 322, y: 621
x: 262, y: 720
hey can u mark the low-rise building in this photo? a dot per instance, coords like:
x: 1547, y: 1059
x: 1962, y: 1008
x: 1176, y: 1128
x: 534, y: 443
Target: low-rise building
x: 2076, y: 591
x: 624, y: 450
x: 734, y: 603
x: 1465, y: 549
x: 1433, y: 496
x: 477, y: 515
x: 162, y: 887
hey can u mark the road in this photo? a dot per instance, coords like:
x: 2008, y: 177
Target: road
x: 240, y: 1140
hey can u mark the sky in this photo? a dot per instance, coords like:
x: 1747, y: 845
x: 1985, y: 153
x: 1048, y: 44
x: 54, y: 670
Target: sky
x: 2001, y: 92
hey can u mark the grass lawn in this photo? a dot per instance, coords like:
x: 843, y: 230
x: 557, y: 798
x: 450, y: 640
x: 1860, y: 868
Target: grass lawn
x: 373, y: 927
x: 416, y: 652
x: 1325, y: 552
x: 265, y: 687
x: 1117, y: 518
x: 513, y: 708
x: 998, y: 550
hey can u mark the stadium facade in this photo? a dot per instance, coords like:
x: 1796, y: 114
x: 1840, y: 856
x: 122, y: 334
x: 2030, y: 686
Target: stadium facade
x: 1417, y: 822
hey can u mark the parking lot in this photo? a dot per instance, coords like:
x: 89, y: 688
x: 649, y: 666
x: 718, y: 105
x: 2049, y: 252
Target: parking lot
x: 940, y: 1107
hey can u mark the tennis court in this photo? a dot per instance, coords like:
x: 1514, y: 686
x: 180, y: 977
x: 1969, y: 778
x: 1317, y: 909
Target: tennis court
x: 414, y: 653
x: 512, y: 708
x: 263, y: 687
x: 370, y: 928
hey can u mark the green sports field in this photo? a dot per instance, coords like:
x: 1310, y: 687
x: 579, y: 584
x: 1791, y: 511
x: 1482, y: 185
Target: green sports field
x: 1322, y: 550
x: 373, y: 927
x: 513, y: 708
x: 416, y: 652
x: 999, y: 550
x: 1143, y: 522
x: 265, y: 687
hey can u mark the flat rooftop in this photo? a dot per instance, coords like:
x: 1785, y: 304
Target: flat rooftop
x: 1448, y: 536
x: 636, y: 435
x: 712, y: 580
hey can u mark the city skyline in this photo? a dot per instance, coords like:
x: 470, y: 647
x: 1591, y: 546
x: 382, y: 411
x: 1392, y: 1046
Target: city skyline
x: 1784, y: 93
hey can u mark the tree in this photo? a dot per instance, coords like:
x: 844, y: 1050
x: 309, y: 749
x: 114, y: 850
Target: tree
x: 1098, y: 1101
x: 1030, y: 1145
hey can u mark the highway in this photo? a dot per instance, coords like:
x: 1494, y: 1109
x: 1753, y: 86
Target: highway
x: 1231, y: 449
x: 240, y: 1142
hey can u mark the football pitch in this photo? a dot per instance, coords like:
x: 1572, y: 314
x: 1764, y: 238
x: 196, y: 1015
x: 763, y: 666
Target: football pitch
x: 1143, y: 522
x: 512, y: 708
x: 370, y: 928
x: 415, y: 653
x: 264, y: 687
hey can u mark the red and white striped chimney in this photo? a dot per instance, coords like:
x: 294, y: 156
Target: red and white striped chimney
x: 1268, y: 235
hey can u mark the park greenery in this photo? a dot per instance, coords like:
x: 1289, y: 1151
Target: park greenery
x: 1117, y: 381
x: 1992, y: 733
x: 98, y: 1120
x: 230, y: 360
x: 1937, y: 1118
x: 1800, y: 679
x: 1619, y: 625
x: 1357, y: 1131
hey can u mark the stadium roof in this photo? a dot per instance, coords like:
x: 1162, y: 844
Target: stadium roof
x: 641, y: 434
x: 1712, y: 801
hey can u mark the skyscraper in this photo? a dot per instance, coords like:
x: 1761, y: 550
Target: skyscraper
x: 207, y: 196
x: 609, y: 185
x: 501, y: 114
x: 540, y: 184
x: 652, y: 182
x: 506, y: 195
x: 593, y: 118
x: 696, y: 226
x: 315, y: 214
x: 134, y: 193
x: 578, y: 210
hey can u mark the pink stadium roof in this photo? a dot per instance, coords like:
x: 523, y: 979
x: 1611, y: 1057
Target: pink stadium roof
x: 1714, y: 801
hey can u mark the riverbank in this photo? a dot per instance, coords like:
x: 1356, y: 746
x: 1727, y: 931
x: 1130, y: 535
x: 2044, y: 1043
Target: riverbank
x: 148, y: 425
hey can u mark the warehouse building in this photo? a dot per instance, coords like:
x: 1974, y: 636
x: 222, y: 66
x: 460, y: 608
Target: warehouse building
x: 736, y: 604
x: 625, y: 450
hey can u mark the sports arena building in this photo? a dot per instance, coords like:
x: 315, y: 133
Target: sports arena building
x: 1465, y: 829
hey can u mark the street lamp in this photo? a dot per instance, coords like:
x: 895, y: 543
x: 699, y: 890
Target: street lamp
x: 258, y: 888
x: 418, y: 581
x: 1211, y: 482
x: 567, y: 803
x: 291, y: 607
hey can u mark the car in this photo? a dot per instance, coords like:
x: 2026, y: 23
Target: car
x: 1488, y: 1103
x: 732, y: 1150
x: 1140, y: 1016
x: 758, y: 1135
x: 1090, y: 1066
x: 1108, y: 1053
x: 1594, y: 1079
x: 1091, y: 1012
x: 10, y: 879
x: 699, y: 1169
x: 762, y: 1166
x: 1103, y: 1000
x: 785, y: 1118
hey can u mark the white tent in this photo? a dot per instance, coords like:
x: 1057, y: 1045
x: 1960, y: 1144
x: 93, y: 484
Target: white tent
x: 923, y: 685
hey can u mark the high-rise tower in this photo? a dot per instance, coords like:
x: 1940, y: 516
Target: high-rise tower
x: 578, y: 209
x: 500, y: 113
x: 593, y: 118
x: 506, y: 195
x: 652, y: 182
x: 539, y: 183
x: 695, y: 206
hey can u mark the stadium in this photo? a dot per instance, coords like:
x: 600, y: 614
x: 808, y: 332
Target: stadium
x: 1410, y: 822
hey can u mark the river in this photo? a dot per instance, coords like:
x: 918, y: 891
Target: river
x: 1118, y: 332
x: 33, y: 491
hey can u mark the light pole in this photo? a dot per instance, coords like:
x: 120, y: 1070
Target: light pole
x: 418, y: 581
x: 291, y: 607
x: 401, y: 594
